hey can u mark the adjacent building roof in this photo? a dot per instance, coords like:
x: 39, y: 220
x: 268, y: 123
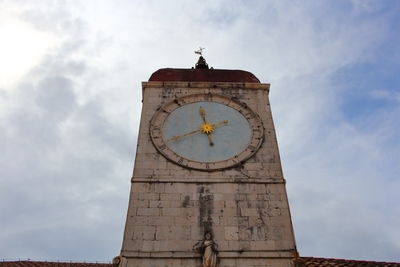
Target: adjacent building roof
x: 300, y: 262
x: 51, y: 264
x: 322, y: 262
x: 203, y: 75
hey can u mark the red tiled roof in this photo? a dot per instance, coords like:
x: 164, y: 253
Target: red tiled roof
x: 203, y: 75
x: 51, y: 264
x: 300, y: 262
x: 322, y: 262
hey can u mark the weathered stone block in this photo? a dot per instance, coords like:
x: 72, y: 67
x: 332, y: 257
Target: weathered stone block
x: 249, y: 212
x: 143, y: 232
x: 148, y: 211
x: 231, y: 233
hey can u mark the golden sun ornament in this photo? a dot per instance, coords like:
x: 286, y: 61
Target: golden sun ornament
x: 206, y: 128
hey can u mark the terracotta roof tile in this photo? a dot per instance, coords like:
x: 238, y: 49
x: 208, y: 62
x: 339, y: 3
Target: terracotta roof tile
x: 300, y: 262
x: 51, y: 264
x: 326, y: 262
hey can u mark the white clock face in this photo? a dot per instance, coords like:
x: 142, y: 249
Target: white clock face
x: 206, y: 131
x: 229, y: 135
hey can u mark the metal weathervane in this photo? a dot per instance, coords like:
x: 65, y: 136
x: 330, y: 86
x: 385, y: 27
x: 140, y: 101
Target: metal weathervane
x: 200, y: 51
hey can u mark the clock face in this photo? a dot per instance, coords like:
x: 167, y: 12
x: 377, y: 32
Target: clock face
x: 229, y: 135
x: 206, y: 132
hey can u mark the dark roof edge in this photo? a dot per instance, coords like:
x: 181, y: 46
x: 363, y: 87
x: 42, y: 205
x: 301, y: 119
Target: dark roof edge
x: 203, y: 75
x: 312, y: 260
x: 300, y: 261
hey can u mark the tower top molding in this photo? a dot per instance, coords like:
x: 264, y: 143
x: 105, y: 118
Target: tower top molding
x: 203, y: 75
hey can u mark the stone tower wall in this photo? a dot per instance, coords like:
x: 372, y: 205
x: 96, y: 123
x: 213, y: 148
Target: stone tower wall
x: 171, y: 207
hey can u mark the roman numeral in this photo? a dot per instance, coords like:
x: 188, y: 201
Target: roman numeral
x: 207, y: 97
x: 249, y: 116
x: 177, y: 102
x: 252, y: 148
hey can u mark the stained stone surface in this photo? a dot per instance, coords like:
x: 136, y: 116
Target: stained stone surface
x: 170, y: 207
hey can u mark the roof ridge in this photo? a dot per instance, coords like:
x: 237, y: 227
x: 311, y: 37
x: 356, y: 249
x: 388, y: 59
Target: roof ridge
x: 348, y: 260
x: 53, y: 261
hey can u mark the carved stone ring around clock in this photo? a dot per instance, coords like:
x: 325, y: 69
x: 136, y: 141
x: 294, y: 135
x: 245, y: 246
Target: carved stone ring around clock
x: 201, y: 130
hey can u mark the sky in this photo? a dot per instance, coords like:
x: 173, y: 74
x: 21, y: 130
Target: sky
x: 70, y: 102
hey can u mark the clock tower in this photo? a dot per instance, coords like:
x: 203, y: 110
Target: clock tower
x: 207, y: 186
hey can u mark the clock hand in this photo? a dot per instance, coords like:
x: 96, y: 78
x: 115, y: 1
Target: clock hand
x: 183, y: 135
x: 202, y: 113
x: 210, y: 141
x: 219, y: 123
x: 193, y: 132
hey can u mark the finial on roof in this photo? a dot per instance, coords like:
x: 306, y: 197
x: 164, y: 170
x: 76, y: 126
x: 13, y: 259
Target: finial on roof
x: 201, y: 63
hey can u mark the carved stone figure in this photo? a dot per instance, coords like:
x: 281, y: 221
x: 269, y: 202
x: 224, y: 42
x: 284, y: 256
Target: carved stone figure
x: 116, y: 261
x: 208, y: 248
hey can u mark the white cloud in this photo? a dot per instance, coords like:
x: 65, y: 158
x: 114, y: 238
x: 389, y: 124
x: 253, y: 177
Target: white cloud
x: 68, y: 129
x: 20, y: 48
x: 385, y: 95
